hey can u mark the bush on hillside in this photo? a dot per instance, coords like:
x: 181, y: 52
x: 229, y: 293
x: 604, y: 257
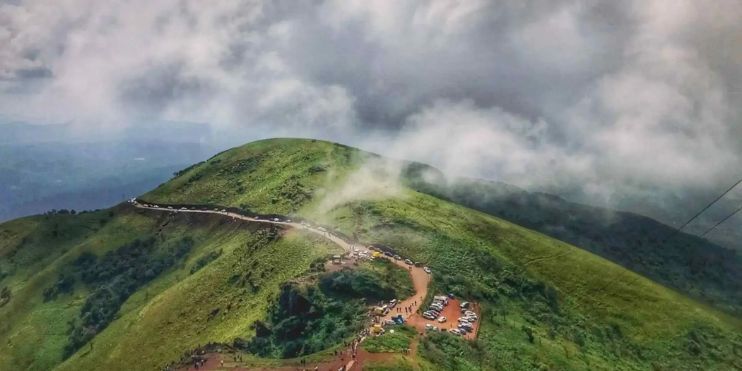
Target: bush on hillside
x: 4, y: 296
x: 303, y: 321
x: 205, y: 259
x: 64, y: 285
x: 113, y: 278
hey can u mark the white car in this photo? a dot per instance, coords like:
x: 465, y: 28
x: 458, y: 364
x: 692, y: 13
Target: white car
x: 427, y: 270
x: 442, y: 319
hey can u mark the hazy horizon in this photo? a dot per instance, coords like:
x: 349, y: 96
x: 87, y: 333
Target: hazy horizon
x: 632, y: 105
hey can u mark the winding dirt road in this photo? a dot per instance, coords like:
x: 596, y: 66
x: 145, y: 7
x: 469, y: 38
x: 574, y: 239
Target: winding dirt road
x: 335, y: 239
x: 420, y: 281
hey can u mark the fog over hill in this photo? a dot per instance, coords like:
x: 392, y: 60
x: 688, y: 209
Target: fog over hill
x: 633, y: 105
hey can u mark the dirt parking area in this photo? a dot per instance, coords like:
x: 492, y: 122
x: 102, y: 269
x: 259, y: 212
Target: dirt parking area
x: 452, y: 312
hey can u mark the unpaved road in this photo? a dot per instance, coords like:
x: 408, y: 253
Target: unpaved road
x: 420, y: 281
x: 335, y: 239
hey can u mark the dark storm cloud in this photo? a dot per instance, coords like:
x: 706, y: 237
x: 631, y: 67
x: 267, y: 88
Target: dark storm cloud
x: 612, y: 102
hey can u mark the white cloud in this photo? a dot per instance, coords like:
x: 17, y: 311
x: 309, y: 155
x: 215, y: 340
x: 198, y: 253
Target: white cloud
x: 598, y: 99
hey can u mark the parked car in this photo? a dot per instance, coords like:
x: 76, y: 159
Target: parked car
x: 427, y: 270
x: 456, y: 331
x: 397, y: 257
x: 440, y: 301
x: 393, y: 303
x: 442, y: 298
x: 464, y: 305
x: 408, y: 261
x: 442, y: 319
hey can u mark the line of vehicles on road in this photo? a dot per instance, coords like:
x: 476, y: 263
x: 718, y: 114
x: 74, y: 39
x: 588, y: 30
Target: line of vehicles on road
x: 378, y: 252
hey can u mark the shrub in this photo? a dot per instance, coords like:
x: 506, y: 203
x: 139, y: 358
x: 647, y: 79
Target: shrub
x: 113, y: 278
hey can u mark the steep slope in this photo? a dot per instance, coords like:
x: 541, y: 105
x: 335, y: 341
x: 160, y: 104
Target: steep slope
x: 587, y: 302
x: 690, y: 264
x: 164, y: 310
x: 546, y: 304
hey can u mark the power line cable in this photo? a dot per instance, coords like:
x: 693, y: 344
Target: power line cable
x: 722, y: 221
x: 709, y: 205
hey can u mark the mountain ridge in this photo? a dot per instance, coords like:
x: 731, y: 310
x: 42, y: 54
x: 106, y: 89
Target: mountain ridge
x: 545, y: 303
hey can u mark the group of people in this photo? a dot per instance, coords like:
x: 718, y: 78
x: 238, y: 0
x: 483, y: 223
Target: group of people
x: 408, y: 309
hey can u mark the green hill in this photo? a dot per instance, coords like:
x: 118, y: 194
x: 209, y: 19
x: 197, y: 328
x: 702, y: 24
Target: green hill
x: 687, y: 263
x: 129, y: 288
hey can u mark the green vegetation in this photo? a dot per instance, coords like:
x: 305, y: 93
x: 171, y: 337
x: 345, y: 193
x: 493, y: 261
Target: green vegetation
x: 112, y: 279
x: 397, y: 340
x: 545, y: 304
x: 452, y: 353
x: 267, y: 176
x: 574, y: 303
x: 682, y: 261
x: 325, y: 310
x: 205, y: 259
x: 377, y: 280
x: 304, y: 321
x: 396, y: 364
x: 159, y: 316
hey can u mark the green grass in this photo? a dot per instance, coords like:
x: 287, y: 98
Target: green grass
x: 269, y: 176
x: 519, y: 272
x: 546, y: 304
x: 582, y: 310
x: 396, y: 364
x: 396, y: 339
x: 391, y: 275
x: 169, y: 315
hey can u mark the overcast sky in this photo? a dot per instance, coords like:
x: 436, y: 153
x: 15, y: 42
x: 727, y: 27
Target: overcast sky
x: 627, y: 103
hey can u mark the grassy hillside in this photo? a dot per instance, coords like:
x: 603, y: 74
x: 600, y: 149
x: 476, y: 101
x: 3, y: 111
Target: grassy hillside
x: 690, y: 264
x: 583, y: 310
x: 269, y: 176
x: 546, y: 304
x: 186, y: 304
